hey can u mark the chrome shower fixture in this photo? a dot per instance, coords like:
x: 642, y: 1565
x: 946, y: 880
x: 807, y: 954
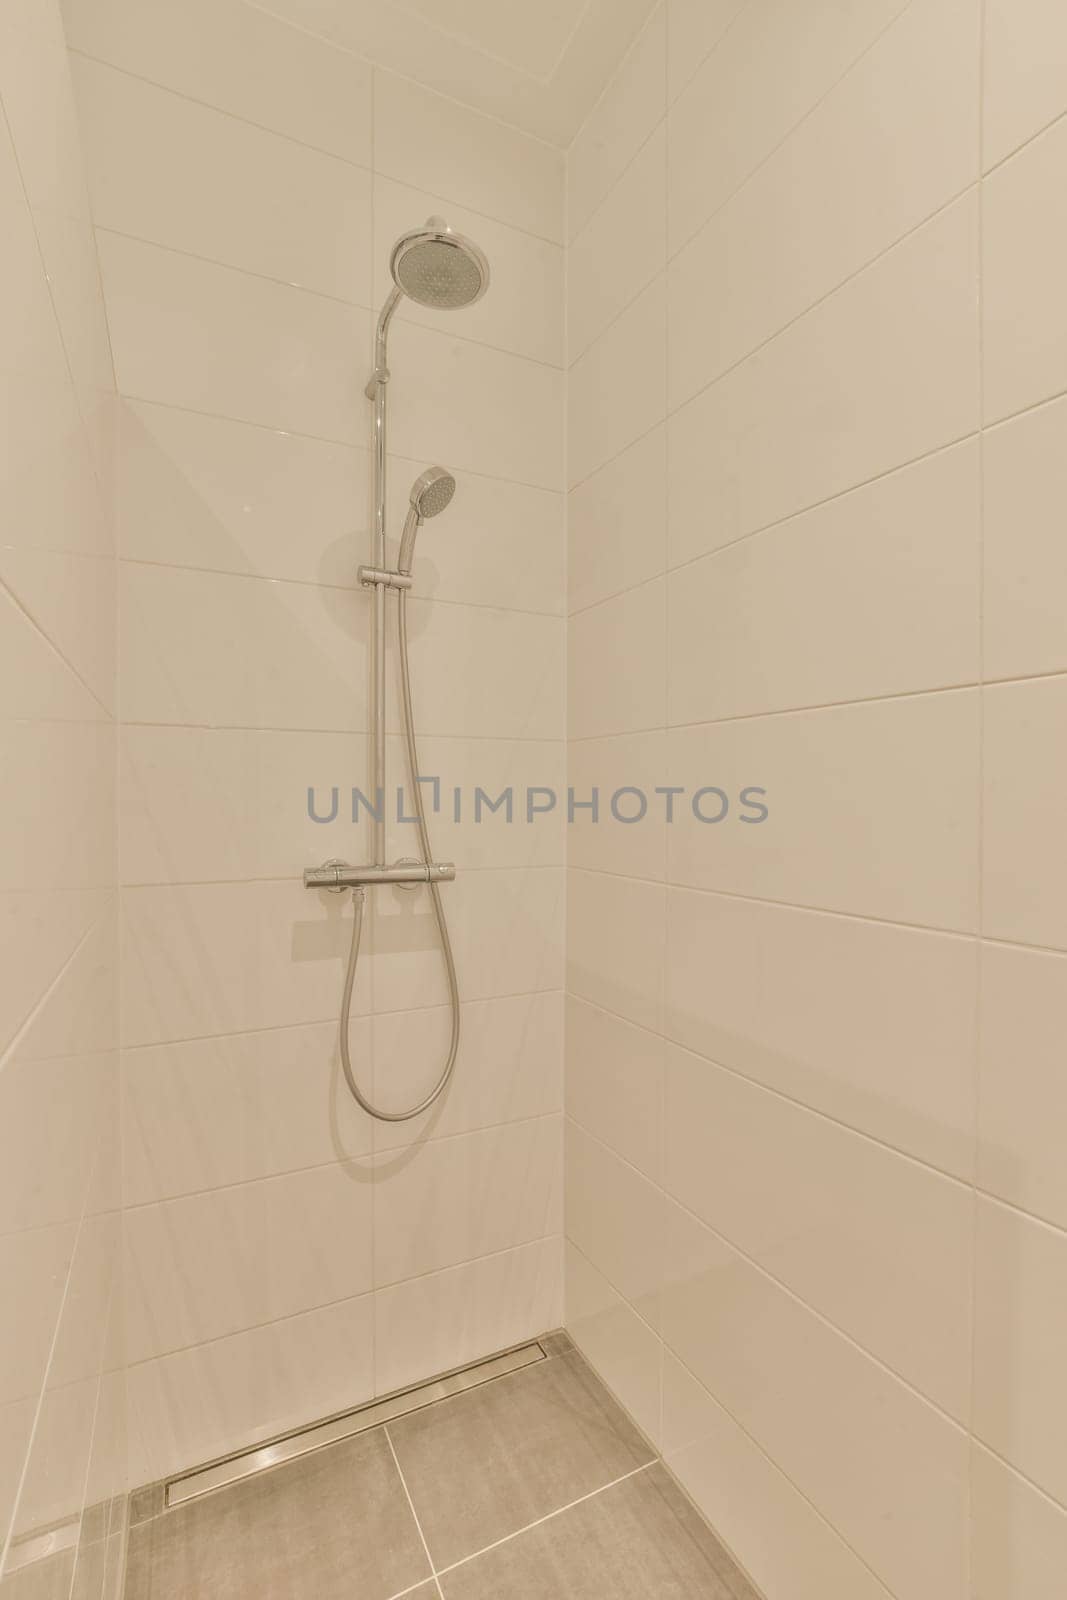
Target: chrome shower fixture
x: 431, y: 493
x: 439, y: 268
x: 442, y: 270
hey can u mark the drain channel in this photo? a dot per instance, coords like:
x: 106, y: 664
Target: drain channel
x: 301, y: 1442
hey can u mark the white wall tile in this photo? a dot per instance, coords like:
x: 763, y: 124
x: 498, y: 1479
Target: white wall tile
x: 1024, y: 251
x: 615, y: 1218
x: 616, y: 680
x: 620, y: 122
x: 209, y: 1264
x: 878, y: 1462
x: 47, y: 841
x: 192, y: 969
x: 278, y: 1104
x: 1022, y: 1092
x: 256, y: 68
x: 505, y: 677
x: 453, y: 1200
x: 213, y: 649
x: 885, y: 579
x: 621, y: 248
x: 625, y: 1352
x: 616, y: 528
x: 772, y: 67
x: 754, y: 1508
x: 893, y: 141
x: 524, y: 910
x: 251, y: 1386
x: 882, y: 372
x: 1026, y: 69
x: 201, y: 181
x: 878, y: 1244
x: 615, y: 944
x: 502, y: 543
x: 193, y: 334
x: 509, y: 1068
x: 467, y: 405
x: 1025, y: 589
x: 1025, y: 874
x: 433, y: 143
x: 627, y: 832
x: 1020, y: 1399
x: 48, y: 489
x: 463, y: 827
x: 872, y: 809
x: 614, y: 1083
x: 71, y: 599
x: 204, y: 491
x: 871, y: 1024
x: 451, y: 1318
x: 618, y: 387
x: 1020, y: 1536
x: 694, y: 29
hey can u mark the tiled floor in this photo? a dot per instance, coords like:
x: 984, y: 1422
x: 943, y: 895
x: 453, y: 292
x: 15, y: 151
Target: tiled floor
x: 535, y: 1486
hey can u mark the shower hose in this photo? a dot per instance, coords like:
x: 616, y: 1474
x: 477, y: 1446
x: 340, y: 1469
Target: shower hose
x: 359, y: 898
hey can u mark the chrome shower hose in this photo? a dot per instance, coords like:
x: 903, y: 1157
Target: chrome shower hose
x: 359, y: 898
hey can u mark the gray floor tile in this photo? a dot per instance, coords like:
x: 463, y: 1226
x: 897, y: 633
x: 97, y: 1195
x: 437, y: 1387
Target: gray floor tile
x: 556, y: 1344
x: 334, y: 1526
x: 487, y: 1463
x: 640, y: 1540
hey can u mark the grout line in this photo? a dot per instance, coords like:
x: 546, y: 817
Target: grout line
x: 373, y: 1158
x: 354, y: 588
x: 348, y: 443
x: 409, y: 320
x: 806, y: 1306
x: 217, y: 110
x: 776, y: 1467
x: 411, y: 1505
x: 976, y: 1042
x: 801, y: 120
x: 371, y: 1293
x: 1018, y: 150
x: 322, y: 1022
x: 230, y: 266
x: 852, y: 1128
x: 551, y: 1516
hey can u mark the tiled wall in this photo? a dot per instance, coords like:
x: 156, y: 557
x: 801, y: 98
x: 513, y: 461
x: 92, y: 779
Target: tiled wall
x: 816, y: 1208
x: 286, y: 1260
x: 62, y: 1450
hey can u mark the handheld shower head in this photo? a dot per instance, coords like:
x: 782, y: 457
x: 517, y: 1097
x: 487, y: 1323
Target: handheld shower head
x: 431, y: 493
x: 439, y: 268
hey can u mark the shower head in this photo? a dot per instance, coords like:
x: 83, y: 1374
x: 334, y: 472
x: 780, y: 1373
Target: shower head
x: 431, y: 493
x: 438, y: 268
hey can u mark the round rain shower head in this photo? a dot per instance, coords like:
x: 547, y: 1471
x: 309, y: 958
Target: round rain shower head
x: 432, y: 491
x: 439, y: 268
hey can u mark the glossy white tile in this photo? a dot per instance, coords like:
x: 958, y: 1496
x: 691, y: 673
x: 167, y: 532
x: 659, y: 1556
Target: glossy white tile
x: 885, y: 578
x: 208, y: 338
x: 454, y: 1200
x: 258, y: 68
x: 433, y: 143
x: 872, y: 1024
x: 175, y: 172
x: 618, y: 125
x: 881, y: 373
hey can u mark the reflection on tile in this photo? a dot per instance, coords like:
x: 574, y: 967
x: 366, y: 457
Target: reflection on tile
x: 484, y: 1465
x: 639, y: 1539
x: 334, y: 1525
